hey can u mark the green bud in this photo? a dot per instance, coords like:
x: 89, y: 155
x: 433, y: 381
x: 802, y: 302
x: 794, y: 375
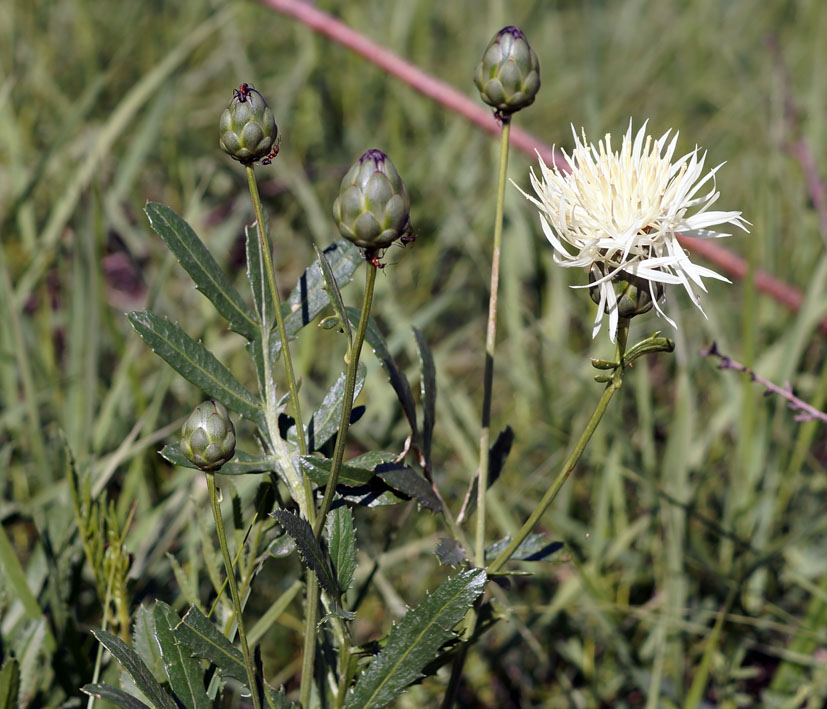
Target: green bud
x: 247, y: 129
x: 373, y: 206
x: 508, y: 76
x: 632, y: 292
x: 208, y: 436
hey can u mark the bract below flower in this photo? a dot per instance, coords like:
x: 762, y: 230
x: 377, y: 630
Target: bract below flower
x: 622, y: 211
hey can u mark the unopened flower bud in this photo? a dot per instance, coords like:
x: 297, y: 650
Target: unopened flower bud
x: 247, y: 129
x: 508, y: 76
x: 634, y: 294
x: 208, y: 436
x: 373, y: 206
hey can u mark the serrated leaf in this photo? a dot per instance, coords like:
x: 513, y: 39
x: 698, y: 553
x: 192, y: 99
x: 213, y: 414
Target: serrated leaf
x: 408, y: 481
x: 397, y: 379
x: 199, y: 263
x: 262, y: 296
x: 186, y: 676
x: 196, y: 364
x: 450, y: 551
x: 533, y: 548
x: 145, y: 644
x: 111, y: 694
x: 427, y: 387
x: 341, y: 544
x: 414, y: 642
x: 241, y: 464
x: 318, y: 470
x: 309, y: 297
x: 311, y: 553
x: 136, y: 669
x: 203, y: 639
x: 324, y: 424
x: 335, y: 295
x: 9, y: 683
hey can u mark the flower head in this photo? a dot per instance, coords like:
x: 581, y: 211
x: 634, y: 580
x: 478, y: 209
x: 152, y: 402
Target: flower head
x: 618, y: 214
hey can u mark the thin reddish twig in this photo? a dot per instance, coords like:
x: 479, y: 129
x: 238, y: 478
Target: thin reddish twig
x: 446, y: 95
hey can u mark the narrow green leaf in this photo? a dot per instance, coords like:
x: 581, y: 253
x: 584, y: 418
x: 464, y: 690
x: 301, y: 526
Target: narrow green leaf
x: 196, y: 364
x: 136, y: 669
x: 198, y: 633
x: 414, y: 642
x: 199, y: 263
x: 334, y: 294
x: 241, y: 464
x: 262, y: 297
x: 427, y: 386
x: 496, y: 460
x: 406, y: 480
x: 397, y: 379
x: 9, y: 683
x: 309, y: 297
x: 324, y: 423
x: 318, y: 470
x: 186, y: 676
x: 533, y: 548
x: 312, y: 554
x: 145, y: 644
x: 341, y: 537
x: 111, y: 694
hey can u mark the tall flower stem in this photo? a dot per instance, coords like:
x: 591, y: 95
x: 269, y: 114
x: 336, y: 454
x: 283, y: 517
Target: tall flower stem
x: 490, y: 339
x: 571, y: 461
x: 228, y: 565
x: 312, y: 610
x: 264, y: 243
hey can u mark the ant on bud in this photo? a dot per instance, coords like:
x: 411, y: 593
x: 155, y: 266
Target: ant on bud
x: 406, y: 239
x: 273, y: 155
x: 243, y: 92
x: 373, y: 257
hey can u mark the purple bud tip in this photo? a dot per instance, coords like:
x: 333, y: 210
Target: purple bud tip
x: 515, y: 32
x: 377, y: 156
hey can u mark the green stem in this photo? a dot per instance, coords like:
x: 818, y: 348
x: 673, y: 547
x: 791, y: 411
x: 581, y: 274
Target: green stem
x: 347, y: 402
x: 490, y: 338
x: 312, y: 609
x: 228, y: 565
x: 264, y: 243
x: 571, y: 461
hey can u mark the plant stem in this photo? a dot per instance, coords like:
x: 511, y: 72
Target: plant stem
x: 228, y: 565
x: 312, y: 609
x: 352, y: 358
x: 490, y: 338
x: 264, y: 243
x: 571, y: 461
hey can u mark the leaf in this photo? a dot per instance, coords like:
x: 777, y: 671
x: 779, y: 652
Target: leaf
x: 136, y: 669
x: 341, y: 543
x: 533, y: 548
x: 281, y: 546
x: 334, y: 294
x: 407, y: 480
x: 196, y: 364
x: 450, y: 551
x: 278, y: 699
x: 397, y: 379
x: 414, y: 642
x: 311, y: 553
x: 427, y: 386
x: 241, y: 464
x: 496, y: 460
x: 9, y: 683
x: 111, y: 694
x: 318, y: 470
x: 324, y: 424
x: 262, y: 295
x: 186, y: 676
x: 199, y: 263
x: 309, y: 297
x: 198, y: 633
x: 145, y: 644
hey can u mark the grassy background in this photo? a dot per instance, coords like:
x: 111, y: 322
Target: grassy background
x: 697, y: 494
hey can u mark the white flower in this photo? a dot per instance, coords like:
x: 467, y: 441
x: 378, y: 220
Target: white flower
x: 622, y: 211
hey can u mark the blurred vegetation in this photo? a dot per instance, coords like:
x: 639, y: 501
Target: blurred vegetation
x: 697, y: 496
